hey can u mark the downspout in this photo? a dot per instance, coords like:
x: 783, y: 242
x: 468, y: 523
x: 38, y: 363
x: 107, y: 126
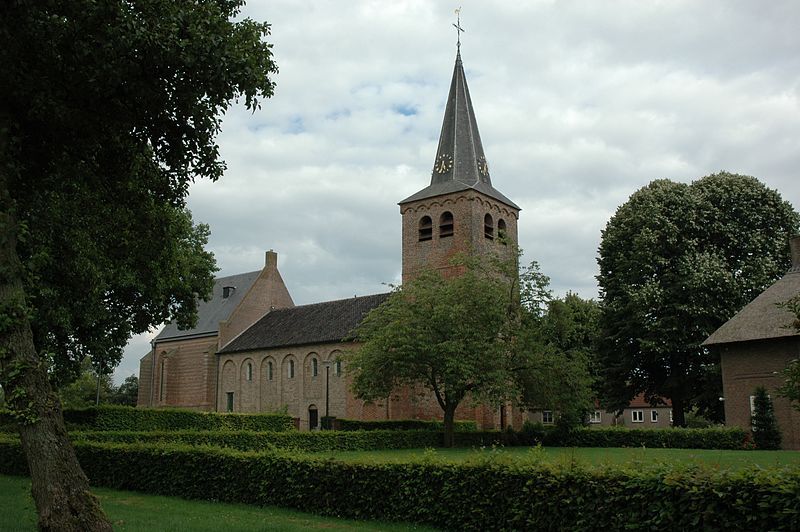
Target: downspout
x: 153, y: 372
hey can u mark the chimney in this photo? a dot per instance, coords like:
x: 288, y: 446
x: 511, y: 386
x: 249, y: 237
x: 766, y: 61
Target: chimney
x: 271, y: 261
x: 794, y: 246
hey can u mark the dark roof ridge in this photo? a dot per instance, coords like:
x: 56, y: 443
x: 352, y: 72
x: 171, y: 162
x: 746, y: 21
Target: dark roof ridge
x: 329, y: 301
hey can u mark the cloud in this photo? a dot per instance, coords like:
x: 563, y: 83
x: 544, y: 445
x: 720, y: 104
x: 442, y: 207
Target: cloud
x: 579, y: 104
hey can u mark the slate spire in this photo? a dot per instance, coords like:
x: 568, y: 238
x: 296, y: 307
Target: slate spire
x: 460, y: 162
x: 460, y: 156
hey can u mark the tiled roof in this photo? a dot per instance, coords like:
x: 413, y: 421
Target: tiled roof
x: 762, y: 318
x: 330, y: 321
x: 210, y: 313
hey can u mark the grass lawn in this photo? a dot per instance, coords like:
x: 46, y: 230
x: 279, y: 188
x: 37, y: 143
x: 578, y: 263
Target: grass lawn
x: 585, y: 455
x: 131, y: 511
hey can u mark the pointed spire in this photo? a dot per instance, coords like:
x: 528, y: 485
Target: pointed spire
x: 460, y: 162
x: 460, y: 156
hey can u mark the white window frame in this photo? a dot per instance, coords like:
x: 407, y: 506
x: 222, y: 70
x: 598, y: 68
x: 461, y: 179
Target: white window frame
x: 637, y: 414
x: 596, y: 417
x: 654, y: 416
x: 547, y: 417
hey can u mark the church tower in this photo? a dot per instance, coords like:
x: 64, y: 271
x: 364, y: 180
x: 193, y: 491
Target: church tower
x: 460, y: 211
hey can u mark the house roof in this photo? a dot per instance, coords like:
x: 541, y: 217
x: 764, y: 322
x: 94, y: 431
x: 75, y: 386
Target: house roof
x: 218, y: 308
x: 762, y: 318
x: 460, y: 162
x: 330, y: 321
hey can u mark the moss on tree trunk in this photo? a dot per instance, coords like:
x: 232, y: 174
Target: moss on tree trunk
x: 59, y: 486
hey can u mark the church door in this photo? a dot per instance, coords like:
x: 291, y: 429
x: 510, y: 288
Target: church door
x: 313, y: 418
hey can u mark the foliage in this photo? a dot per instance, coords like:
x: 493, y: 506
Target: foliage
x: 455, y: 337
x: 766, y: 434
x: 558, y: 377
x: 126, y: 393
x: 453, y: 496
x: 791, y: 383
x: 676, y: 262
x: 83, y: 391
x: 108, y: 111
x: 146, y: 419
x: 478, y: 336
x: 401, y: 424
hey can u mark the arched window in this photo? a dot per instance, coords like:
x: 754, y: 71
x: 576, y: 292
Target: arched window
x: 291, y: 369
x: 425, y: 229
x: 249, y: 371
x: 501, y: 230
x: 446, y: 224
x: 162, y: 384
x: 488, y: 227
x: 269, y: 370
x: 314, y: 367
x: 338, y: 368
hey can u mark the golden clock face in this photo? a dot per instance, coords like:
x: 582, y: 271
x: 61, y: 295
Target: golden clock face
x: 483, y: 167
x: 444, y: 163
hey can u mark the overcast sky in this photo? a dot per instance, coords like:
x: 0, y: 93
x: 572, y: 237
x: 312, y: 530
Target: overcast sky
x: 579, y: 104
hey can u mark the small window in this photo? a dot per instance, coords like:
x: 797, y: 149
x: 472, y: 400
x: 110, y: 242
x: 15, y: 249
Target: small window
x: 425, y: 228
x: 229, y: 397
x: 291, y: 369
x: 654, y: 416
x: 595, y: 417
x: 637, y: 416
x: 162, y: 387
x: 502, y: 234
x: 269, y: 370
x: 752, y: 403
x: 338, y: 368
x: 249, y: 371
x: 547, y: 417
x: 488, y: 227
x: 314, y: 367
x: 446, y: 224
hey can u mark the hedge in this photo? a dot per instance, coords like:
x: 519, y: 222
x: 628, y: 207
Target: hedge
x: 142, y: 419
x: 675, y: 438
x: 401, y: 424
x: 467, y: 496
x: 298, y: 441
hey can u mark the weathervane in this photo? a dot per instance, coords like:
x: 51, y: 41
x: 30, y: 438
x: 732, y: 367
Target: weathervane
x: 458, y: 27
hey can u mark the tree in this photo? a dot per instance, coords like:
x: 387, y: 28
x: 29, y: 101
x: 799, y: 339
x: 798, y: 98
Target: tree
x: 766, y: 434
x: 108, y: 111
x: 461, y: 338
x: 126, y: 393
x: 561, y: 375
x: 84, y: 391
x: 676, y: 262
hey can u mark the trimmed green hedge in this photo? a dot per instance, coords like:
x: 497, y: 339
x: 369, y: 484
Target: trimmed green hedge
x: 141, y: 419
x: 402, y: 424
x: 675, y: 438
x: 299, y: 441
x: 470, y: 496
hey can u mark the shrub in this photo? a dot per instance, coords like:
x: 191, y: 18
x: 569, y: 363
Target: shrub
x: 402, y: 424
x: 766, y: 434
x: 451, y: 496
x: 298, y: 441
x: 676, y: 438
x: 128, y: 418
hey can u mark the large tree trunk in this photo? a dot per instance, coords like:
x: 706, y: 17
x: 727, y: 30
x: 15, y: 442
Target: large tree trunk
x: 678, y: 407
x: 59, y: 486
x: 449, y: 424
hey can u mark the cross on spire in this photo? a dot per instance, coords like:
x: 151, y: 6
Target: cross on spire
x: 457, y: 26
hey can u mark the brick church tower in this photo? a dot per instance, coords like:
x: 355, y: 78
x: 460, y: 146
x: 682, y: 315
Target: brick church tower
x: 460, y: 211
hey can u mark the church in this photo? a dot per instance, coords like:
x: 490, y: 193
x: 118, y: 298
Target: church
x: 254, y: 350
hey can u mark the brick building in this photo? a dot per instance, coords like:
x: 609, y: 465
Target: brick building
x: 755, y: 346
x: 253, y: 350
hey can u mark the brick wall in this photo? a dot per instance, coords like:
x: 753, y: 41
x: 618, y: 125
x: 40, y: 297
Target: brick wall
x: 745, y: 366
x: 469, y: 209
x: 185, y: 373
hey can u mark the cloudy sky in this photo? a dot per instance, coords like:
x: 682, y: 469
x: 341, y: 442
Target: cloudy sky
x: 579, y: 104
